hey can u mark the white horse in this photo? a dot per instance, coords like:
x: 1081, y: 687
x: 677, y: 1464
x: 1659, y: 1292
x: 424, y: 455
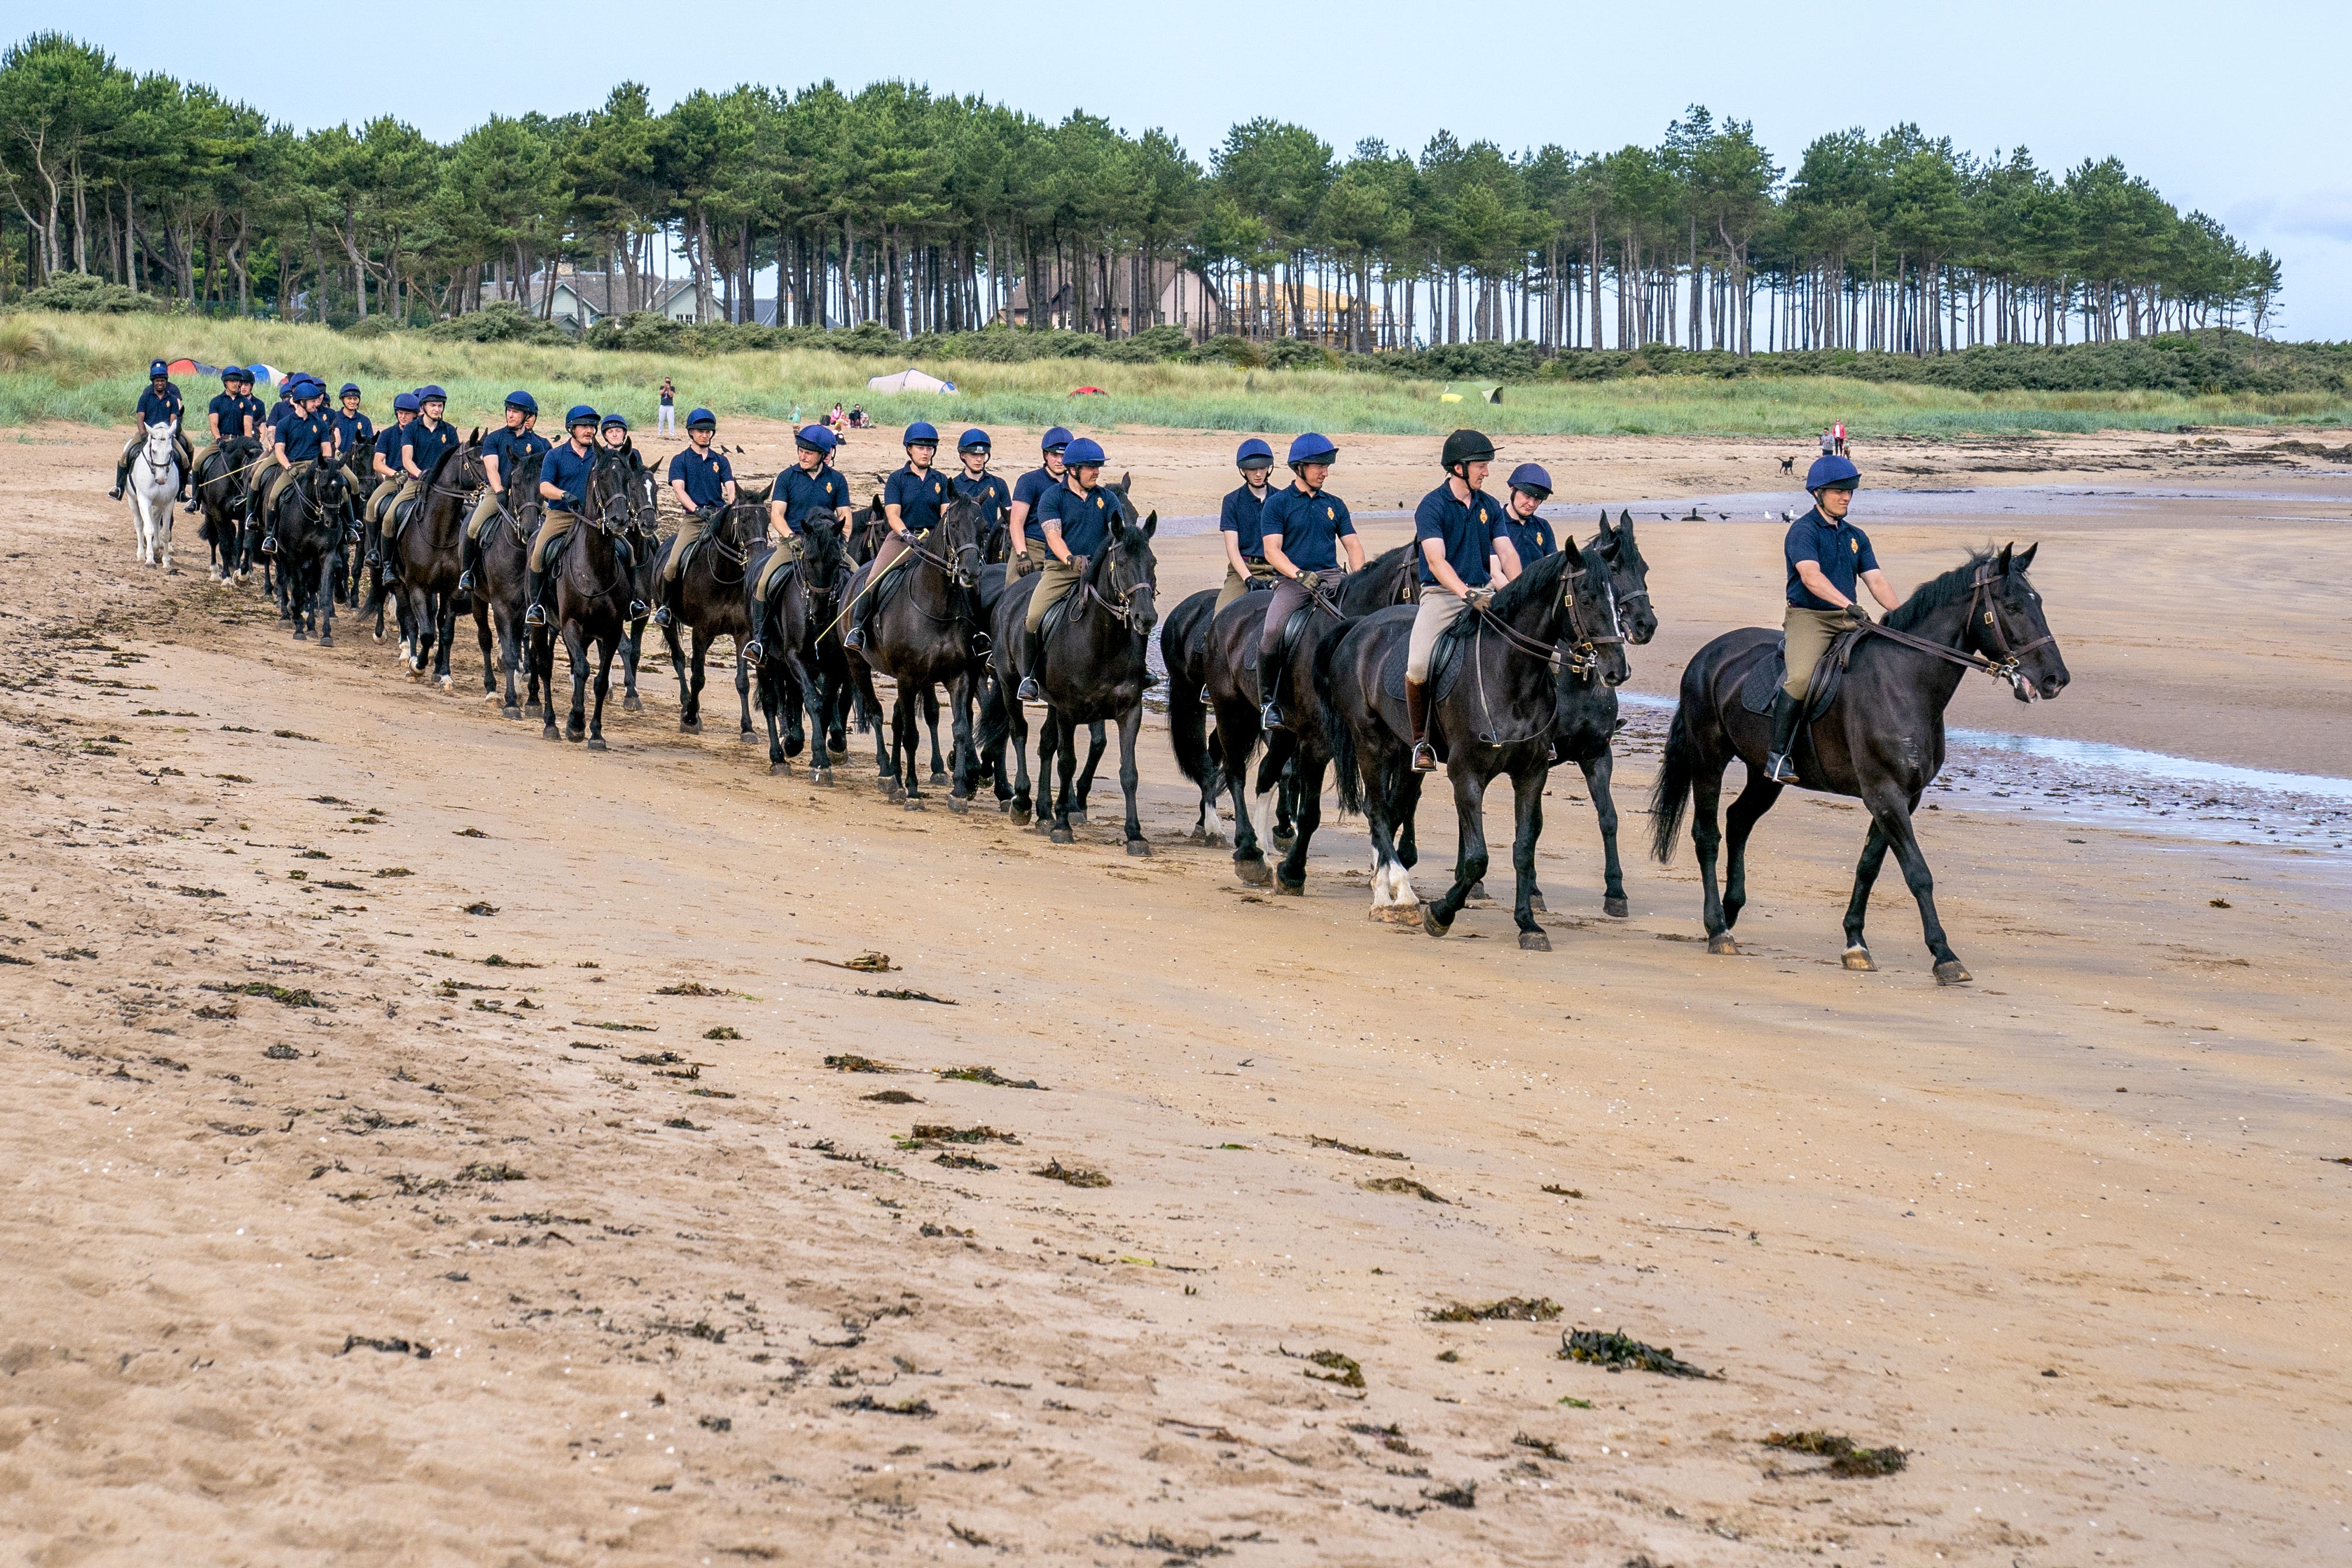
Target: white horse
x: 154, y: 485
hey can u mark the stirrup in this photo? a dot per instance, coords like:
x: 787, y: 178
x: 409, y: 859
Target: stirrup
x: 1029, y: 692
x: 465, y: 583
x: 755, y: 652
x: 661, y: 616
x: 1206, y: 700
x: 1269, y: 715
x: 535, y: 616
x: 639, y: 609
x: 1780, y: 768
x: 269, y: 544
x: 1424, y: 757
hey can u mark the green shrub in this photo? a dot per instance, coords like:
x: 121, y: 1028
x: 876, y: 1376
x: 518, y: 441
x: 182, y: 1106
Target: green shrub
x: 84, y: 294
x: 499, y: 321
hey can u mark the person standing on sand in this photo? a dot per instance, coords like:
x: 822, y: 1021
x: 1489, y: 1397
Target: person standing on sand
x: 1825, y: 554
x: 668, y: 424
x: 1238, y: 523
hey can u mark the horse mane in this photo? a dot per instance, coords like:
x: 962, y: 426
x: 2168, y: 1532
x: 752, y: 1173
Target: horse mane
x: 1937, y: 592
x: 1542, y: 579
x: 444, y: 461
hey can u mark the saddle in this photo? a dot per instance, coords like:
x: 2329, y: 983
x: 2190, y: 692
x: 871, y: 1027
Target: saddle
x: 1444, y: 664
x: 1768, y: 675
x: 1283, y: 643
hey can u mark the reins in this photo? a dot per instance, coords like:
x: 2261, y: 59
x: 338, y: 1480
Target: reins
x: 2004, y: 668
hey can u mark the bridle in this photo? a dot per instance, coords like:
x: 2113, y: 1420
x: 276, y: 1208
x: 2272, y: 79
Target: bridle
x: 1579, y: 652
x: 1123, y: 607
x: 2003, y: 668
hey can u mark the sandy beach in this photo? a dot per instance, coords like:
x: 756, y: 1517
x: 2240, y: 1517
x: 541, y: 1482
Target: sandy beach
x: 423, y: 1149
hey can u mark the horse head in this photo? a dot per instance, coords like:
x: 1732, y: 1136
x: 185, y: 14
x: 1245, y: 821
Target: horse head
x: 2007, y: 626
x: 957, y: 537
x: 619, y: 490
x: 155, y: 446
x: 824, y: 554
x: 1127, y: 577
x: 1629, y: 576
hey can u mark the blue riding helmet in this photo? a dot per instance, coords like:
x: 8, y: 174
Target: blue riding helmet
x: 159, y: 371
x: 1254, y: 453
x: 1312, y: 448
x: 431, y: 394
x: 349, y: 388
x: 1053, y: 440
x: 920, y: 430
x: 524, y: 401
x: 972, y: 438
x: 615, y: 419
x: 406, y: 402
x: 1083, y: 453
x: 232, y: 373
x: 302, y: 387
x: 1531, y: 478
x: 581, y: 414
x: 702, y: 419
x: 1832, y: 473
x: 815, y: 438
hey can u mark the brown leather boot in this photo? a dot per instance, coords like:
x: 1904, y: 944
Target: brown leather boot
x: 1416, y: 712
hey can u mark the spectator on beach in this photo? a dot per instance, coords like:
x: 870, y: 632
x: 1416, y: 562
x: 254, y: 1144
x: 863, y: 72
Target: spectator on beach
x: 667, y: 425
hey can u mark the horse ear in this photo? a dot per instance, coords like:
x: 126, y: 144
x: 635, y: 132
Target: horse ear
x: 1575, y: 556
x: 2022, y: 562
x: 1151, y: 523
x: 2001, y: 564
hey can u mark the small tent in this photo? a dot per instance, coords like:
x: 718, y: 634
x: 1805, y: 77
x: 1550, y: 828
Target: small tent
x: 187, y: 367
x: 909, y: 380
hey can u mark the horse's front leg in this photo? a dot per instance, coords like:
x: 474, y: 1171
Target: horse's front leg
x: 1857, y: 908
x: 482, y: 618
x: 326, y: 601
x: 1016, y: 735
x: 444, y: 616
x: 1597, y: 774
x: 931, y: 722
x: 1891, y: 813
x: 1470, y: 863
x: 744, y: 695
x: 575, y: 649
x: 1064, y: 744
x: 1307, y: 774
x: 1129, y: 723
x: 1526, y: 800
x: 605, y: 652
x: 1096, y: 744
x: 1755, y: 799
x: 1394, y: 898
x: 678, y: 668
x: 961, y: 744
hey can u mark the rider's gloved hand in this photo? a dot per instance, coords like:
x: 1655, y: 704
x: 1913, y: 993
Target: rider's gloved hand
x: 1479, y: 598
x: 1857, y: 614
x: 1312, y: 581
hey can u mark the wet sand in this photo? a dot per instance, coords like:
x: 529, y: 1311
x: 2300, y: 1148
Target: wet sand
x: 2069, y: 1236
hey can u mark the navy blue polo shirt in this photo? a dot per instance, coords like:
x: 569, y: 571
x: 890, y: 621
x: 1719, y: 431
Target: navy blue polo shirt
x: 253, y: 410
x: 277, y: 411
x: 1467, y: 529
x: 1841, y: 550
x: 427, y: 446
x: 1242, y: 514
x: 1085, y: 520
x: 231, y: 412
x: 1532, y: 539
x: 353, y: 431
x: 917, y: 497
x: 160, y: 407
x: 567, y: 470
x: 510, y: 447
x: 989, y: 493
x: 1309, y: 526
x: 387, y: 445
x: 703, y: 476
x: 1030, y: 490
x: 305, y: 436
x: 802, y: 492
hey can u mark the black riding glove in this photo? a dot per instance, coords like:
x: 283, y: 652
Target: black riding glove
x: 1312, y: 581
x: 1857, y: 614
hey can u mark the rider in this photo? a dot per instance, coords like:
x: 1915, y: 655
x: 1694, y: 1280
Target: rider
x: 977, y: 485
x: 1300, y: 532
x: 563, y: 486
x: 1825, y: 554
x: 1028, y: 491
x: 699, y: 478
x: 1531, y: 538
x: 515, y: 443
x: 353, y: 429
x: 297, y: 441
x: 911, y: 502
x: 421, y: 446
x: 1244, y: 505
x: 811, y: 484
x: 385, y: 464
x: 229, y: 420
x: 1075, y: 525
x: 1456, y: 527
x: 159, y: 404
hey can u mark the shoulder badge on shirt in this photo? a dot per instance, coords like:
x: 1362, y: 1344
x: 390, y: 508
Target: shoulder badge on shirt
x: 1854, y: 545
x: 1332, y: 514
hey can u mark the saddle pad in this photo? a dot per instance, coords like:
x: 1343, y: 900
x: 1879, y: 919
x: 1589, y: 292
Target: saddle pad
x: 1444, y: 664
x: 1766, y: 678
x: 1056, y: 613
x: 1764, y: 681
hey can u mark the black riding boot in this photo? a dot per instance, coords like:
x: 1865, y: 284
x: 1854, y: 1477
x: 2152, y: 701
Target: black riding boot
x: 1033, y: 659
x: 469, y: 556
x: 1779, y: 766
x: 121, y: 478
x: 1416, y: 714
x: 536, y: 591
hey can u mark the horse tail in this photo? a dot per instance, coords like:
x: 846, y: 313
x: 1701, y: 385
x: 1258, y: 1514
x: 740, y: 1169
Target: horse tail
x: 1187, y: 716
x: 1346, y: 779
x: 1673, y: 791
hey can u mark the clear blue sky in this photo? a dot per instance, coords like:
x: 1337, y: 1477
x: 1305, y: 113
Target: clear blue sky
x: 2240, y: 109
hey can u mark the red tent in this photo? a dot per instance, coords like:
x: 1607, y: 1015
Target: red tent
x: 1090, y: 391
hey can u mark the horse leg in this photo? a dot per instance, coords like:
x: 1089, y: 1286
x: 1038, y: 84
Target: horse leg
x: 1017, y: 735
x: 444, y: 616
x: 931, y: 720
x: 1408, y: 810
x: 743, y: 696
x: 1394, y: 898
x: 678, y: 669
x: 1756, y: 797
x: 1249, y: 856
x: 701, y: 672
x: 1890, y: 813
x: 1130, y: 723
x: 482, y: 614
x: 1526, y: 798
x: 575, y: 651
x: 1290, y: 876
x: 1470, y: 863
x: 605, y: 651
x: 632, y: 638
x: 907, y: 745
x: 1865, y: 875
x: 1065, y: 762
x: 1604, y: 807
x: 326, y: 601
x: 1707, y: 799
x: 1095, y: 744
x: 961, y: 744
x: 1285, y: 795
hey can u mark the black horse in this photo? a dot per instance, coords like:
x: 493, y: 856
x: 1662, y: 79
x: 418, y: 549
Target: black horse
x: 222, y: 473
x: 425, y: 563
x: 1183, y: 647
x: 1493, y: 705
x: 1588, y: 721
x: 1091, y: 666
x: 712, y: 597
x: 796, y: 649
x: 921, y: 636
x: 311, y: 509
x: 1880, y: 739
x: 592, y: 587
x: 502, y: 584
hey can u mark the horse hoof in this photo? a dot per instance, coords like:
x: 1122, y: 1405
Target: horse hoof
x: 596, y: 743
x: 778, y: 770
x: 1020, y: 815
x: 1950, y: 973
x: 446, y: 684
x: 1063, y: 836
x: 958, y: 808
x: 1282, y: 840
x: 1721, y: 942
x: 550, y: 734
x: 630, y: 704
x: 939, y: 775
x: 1534, y: 941
x: 1138, y: 848
x: 1429, y: 922
x: 530, y: 710
x: 301, y: 635
x: 510, y: 713
x: 746, y: 737
x: 1615, y: 908
x: 326, y: 639
x: 1478, y: 888
x: 1536, y: 901
x: 1287, y: 888
x: 915, y: 803
x: 1857, y: 958
x: 822, y: 777
x: 1253, y: 870
x: 689, y: 726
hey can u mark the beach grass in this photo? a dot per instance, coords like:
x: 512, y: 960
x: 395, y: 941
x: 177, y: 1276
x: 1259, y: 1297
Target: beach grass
x: 90, y: 369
